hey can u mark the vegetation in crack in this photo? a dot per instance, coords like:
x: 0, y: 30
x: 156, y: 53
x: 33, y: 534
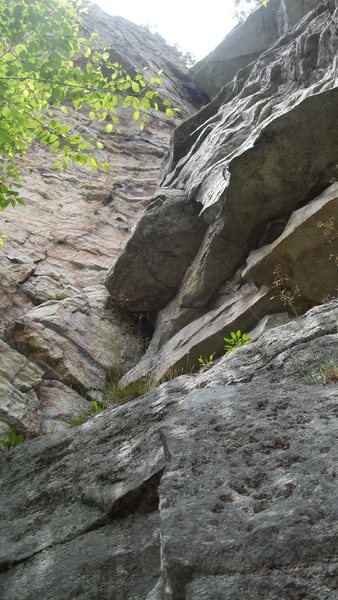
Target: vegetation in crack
x: 11, y: 440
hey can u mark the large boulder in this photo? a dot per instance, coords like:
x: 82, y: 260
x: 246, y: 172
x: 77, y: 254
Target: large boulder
x: 163, y: 245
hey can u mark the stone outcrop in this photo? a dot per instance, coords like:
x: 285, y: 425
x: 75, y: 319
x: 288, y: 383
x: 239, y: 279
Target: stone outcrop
x: 250, y: 162
x: 198, y: 490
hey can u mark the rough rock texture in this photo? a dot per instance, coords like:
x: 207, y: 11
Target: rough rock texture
x: 252, y: 161
x: 263, y: 149
x: 76, y: 340
x: 247, y: 41
x: 303, y: 251
x: 240, y: 481
x: 74, y: 225
x: 20, y: 378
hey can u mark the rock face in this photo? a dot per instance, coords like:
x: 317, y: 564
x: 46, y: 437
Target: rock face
x: 247, y: 41
x: 251, y: 162
x: 54, y: 309
x: 199, y: 490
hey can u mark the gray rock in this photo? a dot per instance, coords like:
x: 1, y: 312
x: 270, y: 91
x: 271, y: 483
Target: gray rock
x: 247, y: 159
x: 302, y: 253
x: 303, y: 350
x: 240, y: 480
x: 203, y: 337
x: 146, y: 280
x: 247, y: 41
x: 61, y: 406
x: 98, y: 485
x: 77, y: 340
x: 248, y: 499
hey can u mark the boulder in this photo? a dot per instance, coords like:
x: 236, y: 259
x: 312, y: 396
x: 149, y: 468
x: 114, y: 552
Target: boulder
x: 203, y: 337
x: 305, y: 350
x: 169, y: 236
x: 61, y: 406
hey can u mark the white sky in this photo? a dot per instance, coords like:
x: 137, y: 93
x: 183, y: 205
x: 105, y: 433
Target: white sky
x: 196, y: 28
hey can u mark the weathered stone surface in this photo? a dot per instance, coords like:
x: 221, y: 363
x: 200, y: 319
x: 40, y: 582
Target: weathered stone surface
x: 248, y: 499
x: 204, y: 336
x: 76, y: 340
x: 303, y: 350
x: 303, y: 251
x: 98, y: 485
x: 251, y: 157
x: 247, y: 41
x: 240, y: 480
x: 60, y: 406
x: 145, y: 280
x: 74, y: 225
x: 20, y: 407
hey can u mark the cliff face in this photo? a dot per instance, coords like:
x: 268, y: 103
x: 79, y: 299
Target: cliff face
x: 247, y: 41
x: 218, y: 484
x: 60, y: 245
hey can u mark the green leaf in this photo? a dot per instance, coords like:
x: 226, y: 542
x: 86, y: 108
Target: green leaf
x: 109, y: 128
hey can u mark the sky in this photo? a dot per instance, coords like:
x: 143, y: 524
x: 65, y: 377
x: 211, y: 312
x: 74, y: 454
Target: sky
x: 196, y: 28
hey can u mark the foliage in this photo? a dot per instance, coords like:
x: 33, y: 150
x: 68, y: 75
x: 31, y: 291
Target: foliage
x: 207, y: 362
x: 47, y: 66
x: 236, y: 340
x: 11, y: 440
x: 117, y: 393
x: 97, y: 407
x: 328, y: 373
x: 79, y: 420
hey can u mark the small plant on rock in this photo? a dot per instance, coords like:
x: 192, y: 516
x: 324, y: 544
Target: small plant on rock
x: 207, y: 362
x: 118, y: 393
x: 11, y: 440
x: 236, y: 340
x: 328, y: 373
x: 97, y: 407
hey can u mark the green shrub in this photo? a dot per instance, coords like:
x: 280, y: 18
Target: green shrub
x: 207, y: 362
x: 97, y: 407
x: 11, y: 440
x: 236, y: 340
x: 118, y: 394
